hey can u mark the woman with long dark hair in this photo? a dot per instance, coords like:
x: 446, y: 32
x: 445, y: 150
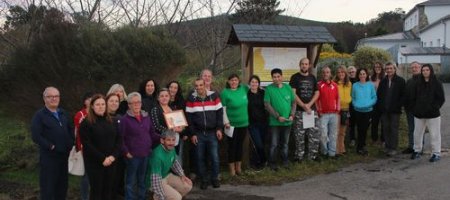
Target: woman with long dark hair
x: 364, y: 98
x: 428, y: 98
x: 377, y: 75
x: 101, y: 146
x: 258, y: 120
x: 149, y: 93
x: 112, y: 105
x: 177, y: 102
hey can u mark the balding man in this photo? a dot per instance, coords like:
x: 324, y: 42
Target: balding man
x: 53, y: 134
x: 410, y: 86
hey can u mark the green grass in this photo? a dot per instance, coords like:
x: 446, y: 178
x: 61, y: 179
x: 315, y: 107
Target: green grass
x: 301, y: 171
x: 16, y: 146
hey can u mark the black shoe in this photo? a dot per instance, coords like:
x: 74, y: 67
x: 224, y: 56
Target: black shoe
x: 408, y: 151
x: 273, y: 167
x: 216, y: 184
x: 435, y: 158
x: 415, y: 155
x: 363, y: 152
x: 286, y: 165
x: 204, y: 185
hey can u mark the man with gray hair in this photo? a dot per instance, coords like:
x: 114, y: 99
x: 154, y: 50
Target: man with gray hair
x: 54, y: 135
x: 138, y: 136
x: 165, y: 172
x: 390, y: 100
x: 410, y: 86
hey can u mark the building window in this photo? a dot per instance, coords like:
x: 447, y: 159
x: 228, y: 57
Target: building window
x: 424, y: 44
x: 439, y: 42
x: 431, y: 43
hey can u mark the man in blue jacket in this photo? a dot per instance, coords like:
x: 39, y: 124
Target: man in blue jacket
x: 53, y: 134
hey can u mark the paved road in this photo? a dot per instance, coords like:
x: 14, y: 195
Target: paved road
x: 394, y: 178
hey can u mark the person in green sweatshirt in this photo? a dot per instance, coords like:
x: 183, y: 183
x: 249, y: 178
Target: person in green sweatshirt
x: 235, y: 102
x: 161, y: 168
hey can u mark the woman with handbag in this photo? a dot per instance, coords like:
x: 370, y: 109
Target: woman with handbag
x: 79, y: 117
x: 101, y: 146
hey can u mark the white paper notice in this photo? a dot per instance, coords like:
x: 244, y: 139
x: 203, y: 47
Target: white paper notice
x: 229, y: 131
x: 177, y: 139
x: 308, y: 119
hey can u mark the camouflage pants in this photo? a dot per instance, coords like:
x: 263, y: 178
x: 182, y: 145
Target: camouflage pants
x: 307, y: 141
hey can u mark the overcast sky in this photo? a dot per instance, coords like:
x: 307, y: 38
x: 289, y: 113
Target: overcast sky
x: 343, y: 10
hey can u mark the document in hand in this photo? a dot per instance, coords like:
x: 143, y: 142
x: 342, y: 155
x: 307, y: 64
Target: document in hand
x: 229, y: 131
x: 308, y: 119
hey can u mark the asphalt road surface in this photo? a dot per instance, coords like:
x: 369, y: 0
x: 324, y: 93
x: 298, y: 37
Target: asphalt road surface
x: 394, y: 178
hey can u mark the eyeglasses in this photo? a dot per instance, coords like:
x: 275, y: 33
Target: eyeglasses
x: 52, y: 97
x: 352, y: 72
x: 135, y: 103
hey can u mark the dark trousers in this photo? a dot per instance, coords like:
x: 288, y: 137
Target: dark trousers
x: 351, y: 124
x: 235, y: 144
x: 376, y: 119
x: 410, y: 119
x: 362, y: 124
x: 53, y: 175
x: 258, y: 136
x: 101, y: 181
x: 119, y: 181
x: 390, y: 129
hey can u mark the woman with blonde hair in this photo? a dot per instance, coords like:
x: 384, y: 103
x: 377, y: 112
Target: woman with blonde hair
x: 119, y: 90
x: 344, y: 89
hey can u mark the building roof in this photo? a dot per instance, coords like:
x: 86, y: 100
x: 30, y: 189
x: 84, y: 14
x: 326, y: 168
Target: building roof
x: 437, y: 22
x: 425, y: 51
x: 428, y: 3
x: 251, y: 33
x: 434, y: 3
x: 399, y: 36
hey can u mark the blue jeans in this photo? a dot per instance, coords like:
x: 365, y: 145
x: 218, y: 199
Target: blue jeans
x: 280, y: 139
x: 207, y: 145
x: 257, y: 136
x: 179, y: 149
x: 84, y: 187
x: 410, y: 119
x: 328, y: 130
x: 136, y: 169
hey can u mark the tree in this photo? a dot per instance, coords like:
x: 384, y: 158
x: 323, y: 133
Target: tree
x: 77, y: 59
x: 386, y: 22
x: 257, y: 11
x: 367, y: 56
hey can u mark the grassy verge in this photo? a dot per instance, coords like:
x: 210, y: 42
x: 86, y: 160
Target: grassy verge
x: 16, y: 148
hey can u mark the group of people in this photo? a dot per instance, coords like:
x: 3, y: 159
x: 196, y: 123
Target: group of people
x: 128, y: 147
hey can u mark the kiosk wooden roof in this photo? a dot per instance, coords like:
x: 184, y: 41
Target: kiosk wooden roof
x: 252, y: 35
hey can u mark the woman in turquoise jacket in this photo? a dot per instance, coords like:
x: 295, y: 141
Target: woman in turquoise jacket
x: 364, y: 98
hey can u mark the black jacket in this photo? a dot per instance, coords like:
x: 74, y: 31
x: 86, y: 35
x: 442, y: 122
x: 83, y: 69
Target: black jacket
x: 100, y: 140
x: 428, y: 98
x: 409, y: 91
x: 47, y: 130
x: 393, y: 102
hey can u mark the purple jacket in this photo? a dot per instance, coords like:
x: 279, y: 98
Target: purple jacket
x: 138, y: 137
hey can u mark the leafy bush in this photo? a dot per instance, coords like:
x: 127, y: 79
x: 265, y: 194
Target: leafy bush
x: 367, y: 56
x: 88, y: 57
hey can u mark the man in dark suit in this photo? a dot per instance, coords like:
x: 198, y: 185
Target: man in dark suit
x: 53, y: 134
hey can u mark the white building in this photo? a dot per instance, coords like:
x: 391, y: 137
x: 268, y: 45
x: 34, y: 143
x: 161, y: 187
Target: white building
x: 425, y: 37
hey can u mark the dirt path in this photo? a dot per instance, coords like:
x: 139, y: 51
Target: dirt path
x: 394, y: 178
